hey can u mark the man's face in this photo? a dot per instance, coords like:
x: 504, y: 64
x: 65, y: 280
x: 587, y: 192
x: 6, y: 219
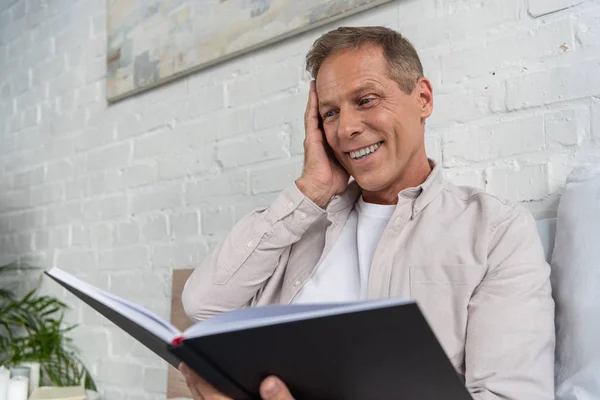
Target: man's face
x: 374, y: 128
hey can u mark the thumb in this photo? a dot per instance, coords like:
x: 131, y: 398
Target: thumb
x: 273, y: 388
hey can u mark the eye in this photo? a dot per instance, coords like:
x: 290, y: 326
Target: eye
x: 364, y: 101
x: 329, y: 114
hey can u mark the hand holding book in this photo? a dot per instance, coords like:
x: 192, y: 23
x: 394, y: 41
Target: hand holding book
x: 272, y: 388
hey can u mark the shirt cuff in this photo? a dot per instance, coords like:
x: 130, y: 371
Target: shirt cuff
x: 295, y: 210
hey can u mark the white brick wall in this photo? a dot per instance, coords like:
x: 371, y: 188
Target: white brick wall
x: 122, y: 194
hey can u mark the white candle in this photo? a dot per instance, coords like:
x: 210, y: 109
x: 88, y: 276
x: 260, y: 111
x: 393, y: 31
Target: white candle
x: 34, y: 375
x: 17, y: 388
x: 4, y: 378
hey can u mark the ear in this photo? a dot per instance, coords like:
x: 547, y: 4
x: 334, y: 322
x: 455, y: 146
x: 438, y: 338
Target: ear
x: 424, y: 93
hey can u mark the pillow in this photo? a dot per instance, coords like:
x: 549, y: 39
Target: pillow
x: 576, y: 287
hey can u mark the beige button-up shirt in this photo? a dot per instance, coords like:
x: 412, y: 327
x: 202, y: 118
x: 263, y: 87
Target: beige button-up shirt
x: 474, y: 264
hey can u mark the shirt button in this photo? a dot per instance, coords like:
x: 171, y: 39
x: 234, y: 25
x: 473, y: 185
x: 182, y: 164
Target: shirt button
x: 290, y: 205
x: 297, y: 283
x: 302, y: 216
x: 250, y: 243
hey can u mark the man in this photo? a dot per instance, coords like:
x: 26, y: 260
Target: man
x: 474, y: 263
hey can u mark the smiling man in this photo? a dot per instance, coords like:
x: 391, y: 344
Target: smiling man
x: 473, y: 262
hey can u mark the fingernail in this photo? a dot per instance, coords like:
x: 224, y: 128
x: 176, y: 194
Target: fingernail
x: 271, y: 387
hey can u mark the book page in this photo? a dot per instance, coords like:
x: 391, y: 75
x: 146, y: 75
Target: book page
x: 144, y: 318
x: 266, y: 315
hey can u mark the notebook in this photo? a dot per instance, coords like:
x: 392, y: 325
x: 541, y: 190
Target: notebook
x: 380, y: 349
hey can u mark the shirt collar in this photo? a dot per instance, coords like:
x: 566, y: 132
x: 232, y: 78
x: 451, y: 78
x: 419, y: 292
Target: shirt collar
x: 419, y: 196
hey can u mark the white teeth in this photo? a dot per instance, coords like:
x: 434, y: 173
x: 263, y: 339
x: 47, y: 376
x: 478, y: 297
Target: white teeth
x: 358, y: 154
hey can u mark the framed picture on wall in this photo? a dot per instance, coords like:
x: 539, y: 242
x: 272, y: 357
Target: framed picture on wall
x: 150, y: 42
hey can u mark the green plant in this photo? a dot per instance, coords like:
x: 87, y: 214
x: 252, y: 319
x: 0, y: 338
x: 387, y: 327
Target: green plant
x: 32, y: 329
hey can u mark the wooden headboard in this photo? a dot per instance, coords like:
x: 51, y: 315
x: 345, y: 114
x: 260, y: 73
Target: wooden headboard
x: 176, y: 386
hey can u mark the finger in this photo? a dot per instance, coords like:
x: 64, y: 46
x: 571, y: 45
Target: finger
x: 272, y: 388
x: 311, y: 119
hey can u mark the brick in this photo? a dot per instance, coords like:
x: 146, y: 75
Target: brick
x: 103, y: 183
x: 178, y: 255
x: 102, y: 236
x: 464, y: 177
x: 128, y: 233
x: 80, y: 235
x: 46, y: 194
x: 207, y: 100
x: 87, y: 95
x: 109, y: 157
x: 131, y: 258
x: 21, y: 82
x: 25, y: 220
x: 596, y: 118
x: 184, y: 225
x: 433, y: 147
x: 76, y: 189
x: 65, y: 83
x: 495, y: 140
x: 76, y: 260
x: 121, y: 373
x: 158, y: 143
x: 106, y: 208
x: 250, y: 149
x: 59, y: 171
x: 566, y: 127
x: 554, y: 85
x: 28, y: 178
x: 279, y: 111
x: 227, y: 184
x: 113, y: 394
x: 449, y: 29
x: 275, y: 178
x: 50, y: 239
x: 155, y: 380
x: 17, y: 244
x: 138, y: 175
x: 538, y: 8
x: 255, y: 87
x: 91, y: 341
x: 588, y: 33
x: 15, y: 200
x: 460, y: 105
x: 188, y: 163
x: 157, y: 199
x: 128, y: 125
x: 495, y: 55
x: 99, y: 26
x: 220, y: 125
x: 297, y: 135
x: 154, y: 228
x: 18, y: 10
x: 518, y: 184
x: 69, y: 124
x: 216, y: 220
x: 95, y: 70
x: 133, y: 284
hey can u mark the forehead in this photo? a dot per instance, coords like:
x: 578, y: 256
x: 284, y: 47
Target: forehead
x: 347, y: 70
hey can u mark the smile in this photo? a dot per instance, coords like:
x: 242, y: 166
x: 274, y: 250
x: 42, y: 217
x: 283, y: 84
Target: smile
x: 364, y: 152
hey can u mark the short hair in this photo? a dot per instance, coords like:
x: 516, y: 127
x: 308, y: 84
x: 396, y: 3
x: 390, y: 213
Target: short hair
x: 401, y: 56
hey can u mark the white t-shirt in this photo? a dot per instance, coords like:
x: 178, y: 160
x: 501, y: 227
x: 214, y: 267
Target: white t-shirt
x: 343, y: 276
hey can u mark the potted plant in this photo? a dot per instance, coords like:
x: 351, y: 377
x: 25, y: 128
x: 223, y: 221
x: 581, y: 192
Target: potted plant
x: 32, y: 330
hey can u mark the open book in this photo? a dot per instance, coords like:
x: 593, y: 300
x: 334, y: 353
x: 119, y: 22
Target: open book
x: 365, y: 350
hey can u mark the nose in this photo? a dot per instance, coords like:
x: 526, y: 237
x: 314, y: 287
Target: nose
x: 350, y: 123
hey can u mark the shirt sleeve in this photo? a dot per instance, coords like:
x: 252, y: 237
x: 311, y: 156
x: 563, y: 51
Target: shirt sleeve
x: 510, y: 343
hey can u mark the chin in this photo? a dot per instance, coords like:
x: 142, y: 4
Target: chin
x: 370, y: 183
